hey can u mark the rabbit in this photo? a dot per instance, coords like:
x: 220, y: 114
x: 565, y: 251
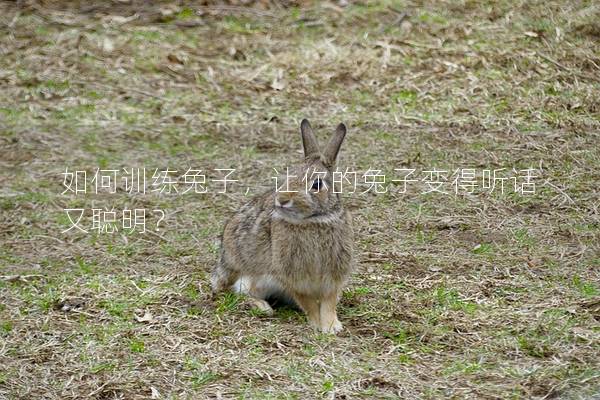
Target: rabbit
x: 296, y: 244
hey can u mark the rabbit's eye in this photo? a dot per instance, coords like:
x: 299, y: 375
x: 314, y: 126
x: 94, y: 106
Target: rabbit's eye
x: 317, y: 185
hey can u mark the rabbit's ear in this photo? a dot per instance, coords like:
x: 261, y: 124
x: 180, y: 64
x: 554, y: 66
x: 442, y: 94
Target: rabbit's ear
x: 333, y: 147
x: 309, y: 141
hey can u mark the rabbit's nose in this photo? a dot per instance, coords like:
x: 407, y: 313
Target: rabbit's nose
x: 285, y: 203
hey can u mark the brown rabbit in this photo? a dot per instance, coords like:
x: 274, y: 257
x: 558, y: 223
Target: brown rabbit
x: 295, y: 244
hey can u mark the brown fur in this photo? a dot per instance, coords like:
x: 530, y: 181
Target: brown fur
x: 296, y: 244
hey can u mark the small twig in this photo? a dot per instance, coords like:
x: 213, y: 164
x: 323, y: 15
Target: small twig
x: 158, y: 235
x: 124, y: 88
x: 421, y: 45
x: 13, y: 21
x: 234, y: 9
x: 545, y: 57
x: 98, y: 390
x: 401, y: 16
x: 564, y: 67
x: 548, y: 183
x: 50, y: 237
x: 17, y: 278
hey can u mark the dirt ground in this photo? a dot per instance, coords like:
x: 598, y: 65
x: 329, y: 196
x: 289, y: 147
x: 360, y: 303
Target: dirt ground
x: 477, y: 292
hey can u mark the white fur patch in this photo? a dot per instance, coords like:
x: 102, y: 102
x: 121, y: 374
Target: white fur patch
x: 242, y: 285
x: 264, y: 286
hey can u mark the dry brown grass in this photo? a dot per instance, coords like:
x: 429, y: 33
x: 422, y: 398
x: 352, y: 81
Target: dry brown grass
x: 474, y: 296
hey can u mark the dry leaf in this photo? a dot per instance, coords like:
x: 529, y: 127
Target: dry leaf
x: 147, y: 317
x: 107, y: 45
x: 174, y: 59
x: 278, y: 82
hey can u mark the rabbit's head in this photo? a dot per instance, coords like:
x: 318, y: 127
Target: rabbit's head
x: 307, y: 192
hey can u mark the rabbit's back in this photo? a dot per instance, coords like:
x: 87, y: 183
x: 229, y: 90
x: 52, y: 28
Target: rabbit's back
x: 247, y: 238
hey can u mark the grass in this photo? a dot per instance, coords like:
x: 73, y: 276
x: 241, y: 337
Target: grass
x: 475, y: 294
